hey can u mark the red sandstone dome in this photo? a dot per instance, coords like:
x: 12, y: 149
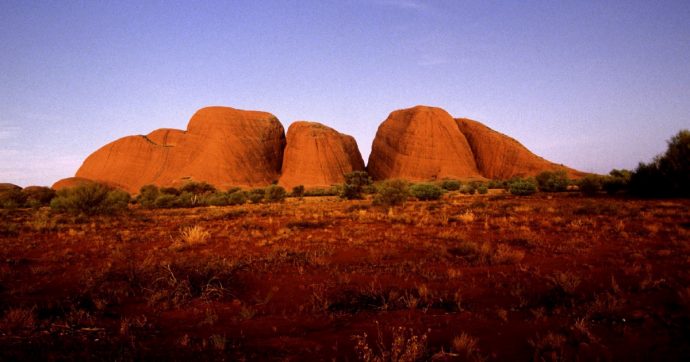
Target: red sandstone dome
x: 317, y: 155
x: 222, y: 146
x: 426, y: 143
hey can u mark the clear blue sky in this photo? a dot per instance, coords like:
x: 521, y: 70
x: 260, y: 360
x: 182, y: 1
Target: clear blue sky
x: 594, y: 85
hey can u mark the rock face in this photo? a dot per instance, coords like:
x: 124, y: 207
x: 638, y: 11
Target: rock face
x: 426, y: 143
x: 222, y: 146
x: 501, y: 157
x: 317, y: 156
x: 420, y: 144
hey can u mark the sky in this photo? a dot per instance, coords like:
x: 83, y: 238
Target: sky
x: 593, y: 85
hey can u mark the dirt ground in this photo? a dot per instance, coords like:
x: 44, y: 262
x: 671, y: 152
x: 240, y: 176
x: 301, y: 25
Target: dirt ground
x: 482, y: 277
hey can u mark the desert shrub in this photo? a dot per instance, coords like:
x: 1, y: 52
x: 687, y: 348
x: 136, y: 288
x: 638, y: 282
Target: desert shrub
x: 331, y: 191
x: 451, y: 185
x: 298, y: 191
x: 354, y: 185
x: 616, y: 181
x: 169, y: 191
x: 498, y: 184
x: 237, y: 198
x: 522, y: 187
x: 12, y: 198
x: 552, y: 181
x: 256, y: 195
x: 275, y: 193
x: 165, y: 201
x: 90, y: 199
x: 392, y: 193
x: 590, y: 184
x: 148, y: 195
x: 37, y: 196
x: 198, y: 188
x: 217, y: 199
x: 426, y: 192
x: 482, y: 189
x: 668, y: 175
x: 233, y: 189
x: 470, y: 189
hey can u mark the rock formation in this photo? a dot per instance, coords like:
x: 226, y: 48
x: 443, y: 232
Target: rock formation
x: 222, y: 146
x: 70, y: 182
x: 421, y: 144
x: 501, y: 157
x: 317, y: 155
x: 426, y: 143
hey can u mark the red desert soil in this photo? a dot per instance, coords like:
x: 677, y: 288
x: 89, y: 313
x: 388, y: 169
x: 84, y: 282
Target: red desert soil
x: 559, y: 277
x: 318, y: 156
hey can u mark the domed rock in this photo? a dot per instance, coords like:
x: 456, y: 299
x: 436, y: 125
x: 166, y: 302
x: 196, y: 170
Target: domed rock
x: 419, y: 144
x: 222, y: 146
x: 317, y: 155
x: 70, y: 182
x: 501, y: 157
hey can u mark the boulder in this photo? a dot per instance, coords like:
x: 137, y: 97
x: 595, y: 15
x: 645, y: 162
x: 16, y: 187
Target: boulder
x: 420, y: 144
x: 318, y: 156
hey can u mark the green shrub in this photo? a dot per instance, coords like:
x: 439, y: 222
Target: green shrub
x: 552, y: 181
x: 256, y: 195
x: 426, y: 191
x: 498, y: 184
x: 198, y: 188
x: 12, y: 198
x: 169, y: 191
x: 616, y: 181
x: 391, y: 193
x: 522, y: 187
x: 331, y: 191
x: 90, y: 199
x: 165, y: 201
x: 482, y: 189
x: 590, y: 185
x: 275, y: 193
x: 355, y: 182
x: 217, y: 199
x: 147, y: 196
x: 470, y: 189
x: 451, y: 185
x: 298, y: 191
x: 237, y: 198
x: 668, y: 175
x: 37, y: 196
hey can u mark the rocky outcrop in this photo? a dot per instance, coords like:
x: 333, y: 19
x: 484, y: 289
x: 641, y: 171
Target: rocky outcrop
x: 222, y: 146
x: 421, y: 144
x: 70, y: 182
x: 317, y: 155
x: 501, y: 157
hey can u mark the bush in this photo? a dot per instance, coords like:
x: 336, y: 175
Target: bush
x: 331, y: 191
x: 590, y: 185
x: 198, y: 188
x: 552, y: 181
x: 522, y: 187
x: 298, y: 191
x: 616, y: 181
x: 256, y: 195
x: 391, y: 193
x: 451, y: 185
x: 668, y: 175
x: 37, y: 196
x: 166, y: 201
x: 237, y: 198
x: 12, y: 198
x: 425, y: 192
x: 469, y: 189
x: 147, y: 196
x: 275, y: 193
x: 169, y: 191
x: 90, y: 199
x: 498, y: 184
x: 482, y: 189
x: 217, y: 199
x: 354, y: 185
